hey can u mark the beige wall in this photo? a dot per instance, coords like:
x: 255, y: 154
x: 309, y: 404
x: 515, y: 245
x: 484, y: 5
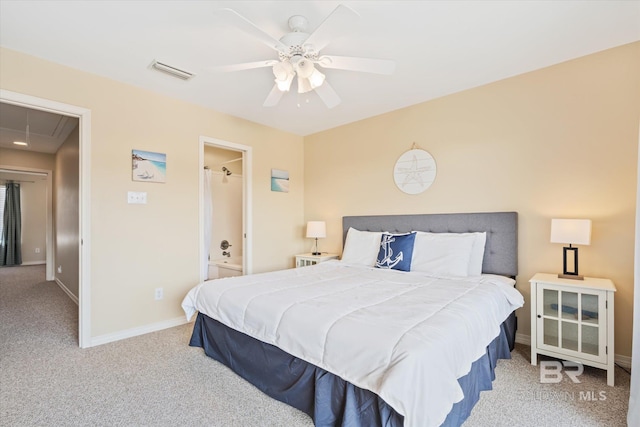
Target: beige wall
x: 560, y: 142
x: 214, y: 157
x: 67, y: 213
x: 27, y: 159
x: 137, y: 248
x: 33, y: 201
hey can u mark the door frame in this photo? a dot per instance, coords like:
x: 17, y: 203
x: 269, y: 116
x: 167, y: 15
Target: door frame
x: 247, y: 209
x: 84, y: 275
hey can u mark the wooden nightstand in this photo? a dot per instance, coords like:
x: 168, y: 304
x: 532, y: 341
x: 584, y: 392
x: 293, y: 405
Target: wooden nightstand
x: 573, y: 320
x: 304, y: 260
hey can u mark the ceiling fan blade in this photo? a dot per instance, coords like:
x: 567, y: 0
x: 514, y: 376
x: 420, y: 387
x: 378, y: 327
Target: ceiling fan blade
x: 366, y: 65
x: 338, y: 22
x: 250, y: 28
x: 328, y: 95
x: 273, y: 98
x: 245, y: 66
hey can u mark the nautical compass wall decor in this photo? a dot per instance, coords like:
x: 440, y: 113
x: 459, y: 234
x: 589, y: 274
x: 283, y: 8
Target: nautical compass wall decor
x: 414, y: 171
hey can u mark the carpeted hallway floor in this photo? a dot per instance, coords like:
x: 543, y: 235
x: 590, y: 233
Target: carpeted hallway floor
x: 158, y: 380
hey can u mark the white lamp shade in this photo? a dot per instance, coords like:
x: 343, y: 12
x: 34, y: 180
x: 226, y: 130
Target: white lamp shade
x: 316, y: 79
x: 283, y: 71
x: 304, y: 68
x: 304, y: 85
x: 316, y: 229
x: 571, y: 231
x: 285, y: 84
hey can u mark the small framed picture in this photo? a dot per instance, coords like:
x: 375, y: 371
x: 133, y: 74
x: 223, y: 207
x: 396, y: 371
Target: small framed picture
x: 279, y: 180
x: 148, y: 166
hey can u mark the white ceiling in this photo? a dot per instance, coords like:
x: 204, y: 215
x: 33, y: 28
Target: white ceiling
x: 47, y: 131
x: 440, y: 47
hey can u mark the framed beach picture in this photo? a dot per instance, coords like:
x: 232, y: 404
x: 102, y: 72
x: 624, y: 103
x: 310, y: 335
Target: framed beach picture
x: 279, y: 180
x: 148, y: 166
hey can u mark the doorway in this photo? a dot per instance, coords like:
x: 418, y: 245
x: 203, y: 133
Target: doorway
x: 84, y: 242
x: 37, y: 222
x: 229, y: 165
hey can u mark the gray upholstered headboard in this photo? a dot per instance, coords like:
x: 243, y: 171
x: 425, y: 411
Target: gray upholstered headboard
x: 501, y: 249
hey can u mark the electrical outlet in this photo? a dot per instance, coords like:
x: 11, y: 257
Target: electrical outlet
x: 158, y: 294
x: 37, y: 250
x: 59, y: 269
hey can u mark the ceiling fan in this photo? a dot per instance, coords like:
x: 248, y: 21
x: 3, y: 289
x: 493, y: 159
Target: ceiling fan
x: 299, y: 54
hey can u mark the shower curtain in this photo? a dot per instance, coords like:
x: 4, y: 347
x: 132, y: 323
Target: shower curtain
x: 11, y: 239
x: 208, y: 220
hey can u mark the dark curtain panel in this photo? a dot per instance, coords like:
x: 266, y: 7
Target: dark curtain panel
x: 11, y: 243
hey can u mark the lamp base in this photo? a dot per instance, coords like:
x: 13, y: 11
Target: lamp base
x: 566, y: 256
x: 570, y: 276
x: 316, y: 251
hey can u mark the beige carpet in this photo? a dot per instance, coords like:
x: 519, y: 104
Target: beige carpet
x: 158, y: 380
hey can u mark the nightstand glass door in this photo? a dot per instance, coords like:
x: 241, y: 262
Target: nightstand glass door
x: 572, y: 320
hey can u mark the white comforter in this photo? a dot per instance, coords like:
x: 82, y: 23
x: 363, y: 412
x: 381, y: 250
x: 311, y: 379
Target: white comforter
x: 407, y: 337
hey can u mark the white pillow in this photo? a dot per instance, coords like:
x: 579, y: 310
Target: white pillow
x: 477, y: 253
x: 477, y: 250
x: 443, y: 253
x: 361, y: 247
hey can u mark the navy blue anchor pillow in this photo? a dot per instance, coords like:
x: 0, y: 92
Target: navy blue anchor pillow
x: 396, y: 251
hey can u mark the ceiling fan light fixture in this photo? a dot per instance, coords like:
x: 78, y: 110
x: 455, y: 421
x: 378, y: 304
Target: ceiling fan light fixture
x: 299, y: 53
x: 309, y: 77
x: 316, y: 78
x: 304, y: 85
x: 304, y: 68
x: 284, y: 74
x: 285, y: 85
x: 281, y: 70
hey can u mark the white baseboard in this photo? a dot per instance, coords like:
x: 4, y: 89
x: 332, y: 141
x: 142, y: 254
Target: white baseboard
x: 523, y: 339
x: 624, y: 361
x: 134, y: 332
x: 67, y: 291
x: 619, y: 359
x: 34, y: 263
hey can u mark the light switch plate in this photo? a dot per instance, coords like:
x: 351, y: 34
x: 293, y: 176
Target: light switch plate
x: 137, y: 197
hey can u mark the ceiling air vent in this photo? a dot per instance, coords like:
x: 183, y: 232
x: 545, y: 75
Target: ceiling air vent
x: 172, y: 71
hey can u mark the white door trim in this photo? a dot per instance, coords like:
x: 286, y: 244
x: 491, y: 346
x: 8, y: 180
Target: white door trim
x: 84, y: 275
x: 247, y: 209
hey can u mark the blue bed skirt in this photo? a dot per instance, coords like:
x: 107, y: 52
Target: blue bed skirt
x: 327, y: 399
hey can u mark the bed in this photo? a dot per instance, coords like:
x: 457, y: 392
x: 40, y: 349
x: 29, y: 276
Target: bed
x: 355, y: 344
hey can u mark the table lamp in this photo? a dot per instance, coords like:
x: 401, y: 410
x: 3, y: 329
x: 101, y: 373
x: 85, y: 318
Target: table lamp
x: 316, y: 229
x: 573, y: 232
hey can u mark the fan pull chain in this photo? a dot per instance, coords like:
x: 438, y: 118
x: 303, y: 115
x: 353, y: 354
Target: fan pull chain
x: 305, y: 99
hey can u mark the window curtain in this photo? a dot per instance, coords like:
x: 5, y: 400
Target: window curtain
x: 633, y: 416
x: 11, y: 241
